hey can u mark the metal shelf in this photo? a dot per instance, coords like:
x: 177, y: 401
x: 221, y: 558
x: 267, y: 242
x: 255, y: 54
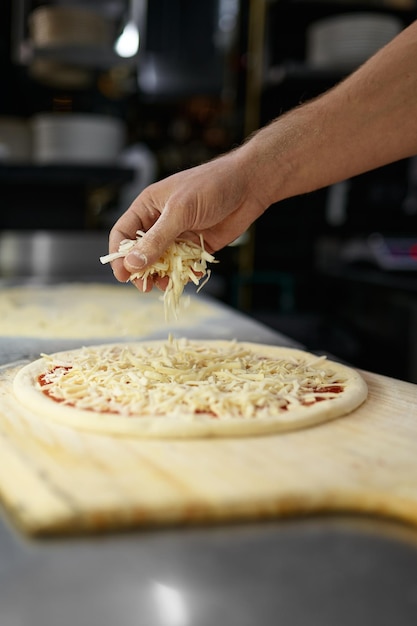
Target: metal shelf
x: 23, y: 174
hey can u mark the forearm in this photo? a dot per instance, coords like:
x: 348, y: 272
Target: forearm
x: 367, y: 121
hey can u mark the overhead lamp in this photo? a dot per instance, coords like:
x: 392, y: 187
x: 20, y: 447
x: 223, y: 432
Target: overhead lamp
x: 127, y: 44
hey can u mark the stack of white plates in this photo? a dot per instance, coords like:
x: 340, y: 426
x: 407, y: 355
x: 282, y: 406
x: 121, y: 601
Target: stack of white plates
x: 62, y: 30
x: 346, y: 41
x: 54, y: 26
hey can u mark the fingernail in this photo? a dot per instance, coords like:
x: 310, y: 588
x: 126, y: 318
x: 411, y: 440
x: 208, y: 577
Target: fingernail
x: 136, y: 260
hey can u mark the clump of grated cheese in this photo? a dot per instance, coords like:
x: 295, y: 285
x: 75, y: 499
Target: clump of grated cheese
x: 181, y: 262
x: 183, y: 379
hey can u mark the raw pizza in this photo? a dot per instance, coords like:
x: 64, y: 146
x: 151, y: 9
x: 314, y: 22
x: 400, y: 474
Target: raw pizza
x: 184, y: 388
x: 89, y: 310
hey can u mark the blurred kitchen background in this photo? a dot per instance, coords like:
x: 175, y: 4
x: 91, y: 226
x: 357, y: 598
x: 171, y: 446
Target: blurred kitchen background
x: 101, y: 97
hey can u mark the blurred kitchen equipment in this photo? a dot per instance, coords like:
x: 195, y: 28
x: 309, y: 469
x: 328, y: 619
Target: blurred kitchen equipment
x: 57, y: 255
x: 54, y: 26
x: 139, y: 159
x: 59, y: 74
x: 185, y: 47
x: 143, y: 162
x: 77, y: 138
x: 70, y: 29
x: 345, y: 41
x: 15, y: 140
x: 374, y: 251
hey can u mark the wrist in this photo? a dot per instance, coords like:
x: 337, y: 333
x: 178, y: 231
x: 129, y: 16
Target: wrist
x: 267, y: 165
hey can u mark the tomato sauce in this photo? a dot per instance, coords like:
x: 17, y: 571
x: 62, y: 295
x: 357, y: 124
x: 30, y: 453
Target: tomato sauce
x: 42, y: 380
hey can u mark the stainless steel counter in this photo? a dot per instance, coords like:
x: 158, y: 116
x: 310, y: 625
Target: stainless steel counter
x: 328, y: 571
x: 322, y: 572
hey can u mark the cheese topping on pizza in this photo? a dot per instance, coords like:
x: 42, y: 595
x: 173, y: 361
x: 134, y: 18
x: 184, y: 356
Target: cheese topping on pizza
x: 182, y: 262
x: 181, y: 379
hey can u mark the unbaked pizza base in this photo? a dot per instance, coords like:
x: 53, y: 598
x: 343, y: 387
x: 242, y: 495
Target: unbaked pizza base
x: 88, y: 311
x: 191, y: 425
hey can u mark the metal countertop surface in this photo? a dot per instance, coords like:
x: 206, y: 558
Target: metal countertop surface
x: 317, y: 571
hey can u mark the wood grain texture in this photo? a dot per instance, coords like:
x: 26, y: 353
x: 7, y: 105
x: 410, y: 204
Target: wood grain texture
x: 56, y: 480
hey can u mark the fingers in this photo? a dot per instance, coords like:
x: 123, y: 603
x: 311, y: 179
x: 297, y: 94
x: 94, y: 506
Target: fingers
x: 142, y: 286
x: 161, y: 230
x: 137, y: 217
x: 119, y: 271
x: 199, y: 201
x: 152, y: 245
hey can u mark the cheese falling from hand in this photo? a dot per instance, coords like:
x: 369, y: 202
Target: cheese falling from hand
x: 182, y: 262
x: 186, y: 381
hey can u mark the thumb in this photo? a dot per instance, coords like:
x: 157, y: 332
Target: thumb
x: 149, y: 248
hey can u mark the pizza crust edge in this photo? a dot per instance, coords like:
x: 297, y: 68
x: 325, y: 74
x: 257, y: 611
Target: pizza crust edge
x: 24, y: 387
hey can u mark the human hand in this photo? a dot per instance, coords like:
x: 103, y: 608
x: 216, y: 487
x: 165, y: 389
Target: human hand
x: 214, y: 199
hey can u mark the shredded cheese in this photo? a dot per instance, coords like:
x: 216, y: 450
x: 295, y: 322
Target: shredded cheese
x: 188, y: 380
x: 182, y: 262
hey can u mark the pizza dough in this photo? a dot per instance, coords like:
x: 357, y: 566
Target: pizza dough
x: 88, y: 310
x: 183, y: 388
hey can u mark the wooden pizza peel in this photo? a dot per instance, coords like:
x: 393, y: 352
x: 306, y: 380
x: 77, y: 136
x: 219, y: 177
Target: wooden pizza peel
x: 57, y: 480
